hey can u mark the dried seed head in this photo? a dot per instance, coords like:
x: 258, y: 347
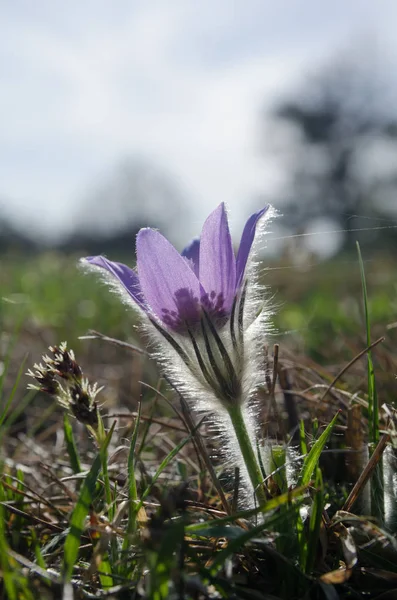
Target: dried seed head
x: 76, y: 395
x: 64, y: 362
x: 83, y: 405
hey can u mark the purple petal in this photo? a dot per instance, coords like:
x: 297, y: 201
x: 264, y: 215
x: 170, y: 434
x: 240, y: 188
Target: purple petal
x: 124, y: 275
x: 217, y: 262
x: 169, y: 285
x: 192, y: 253
x: 246, y: 243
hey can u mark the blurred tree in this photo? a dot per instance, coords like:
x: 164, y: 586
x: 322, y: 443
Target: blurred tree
x: 342, y: 145
x: 136, y: 195
x: 14, y: 238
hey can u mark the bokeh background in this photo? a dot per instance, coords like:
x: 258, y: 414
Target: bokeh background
x: 128, y: 114
x: 120, y: 114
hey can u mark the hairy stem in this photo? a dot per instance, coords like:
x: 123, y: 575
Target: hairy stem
x: 247, y: 452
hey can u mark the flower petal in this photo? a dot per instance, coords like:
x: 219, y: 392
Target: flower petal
x: 192, y: 253
x: 217, y: 261
x: 246, y: 243
x: 125, y: 276
x: 169, y: 285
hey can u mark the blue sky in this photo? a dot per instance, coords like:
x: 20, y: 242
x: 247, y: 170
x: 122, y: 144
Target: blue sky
x: 179, y: 83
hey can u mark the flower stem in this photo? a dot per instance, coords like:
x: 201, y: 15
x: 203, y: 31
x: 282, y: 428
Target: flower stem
x: 247, y: 452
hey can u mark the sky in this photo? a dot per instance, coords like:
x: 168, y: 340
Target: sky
x: 181, y: 84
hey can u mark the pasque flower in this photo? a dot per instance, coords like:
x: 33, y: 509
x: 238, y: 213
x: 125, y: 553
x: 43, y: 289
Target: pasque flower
x: 202, y: 309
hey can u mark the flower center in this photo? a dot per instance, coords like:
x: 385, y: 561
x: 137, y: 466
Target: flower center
x: 187, y: 309
x: 214, y: 304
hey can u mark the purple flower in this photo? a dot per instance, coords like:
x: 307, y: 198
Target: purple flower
x: 201, y: 306
x: 175, y: 289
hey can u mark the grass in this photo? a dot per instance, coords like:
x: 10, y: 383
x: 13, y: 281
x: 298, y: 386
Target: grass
x: 373, y: 410
x: 130, y: 508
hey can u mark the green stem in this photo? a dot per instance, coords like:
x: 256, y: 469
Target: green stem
x: 132, y: 491
x: 109, y: 499
x: 247, y: 452
x: 108, y: 489
x: 100, y: 436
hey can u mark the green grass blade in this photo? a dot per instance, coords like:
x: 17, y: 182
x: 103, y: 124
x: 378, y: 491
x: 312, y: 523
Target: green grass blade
x: 38, y: 552
x: 373, y: 410
x: 302, y: 540
x: 105, y: 572
x: 18, y: 409
x: 4, y: 409
x: 70, y: 445
x: 273, y: 504
x: 109, y: 493
x: 315, y: 523
x: 302, y: 437
x: 132, y: 489
x: 80, y: 512
x: 164, y: 465
x: 132, y: 492
x: 311, y: 460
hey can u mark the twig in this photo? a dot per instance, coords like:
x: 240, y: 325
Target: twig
x: 367, y: 472
x: 170, y: 404
x: 44, y: 573
x: 96, y: 335
x: 34, y: 496
x: 347, y: 367
x: 30, y: 517
x: 71, y: 495
x: 271, y: 386
x: 133, y: 415
x: 289, y: 402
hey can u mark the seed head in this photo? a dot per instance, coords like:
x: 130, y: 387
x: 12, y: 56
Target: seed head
x: 76, y: 394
